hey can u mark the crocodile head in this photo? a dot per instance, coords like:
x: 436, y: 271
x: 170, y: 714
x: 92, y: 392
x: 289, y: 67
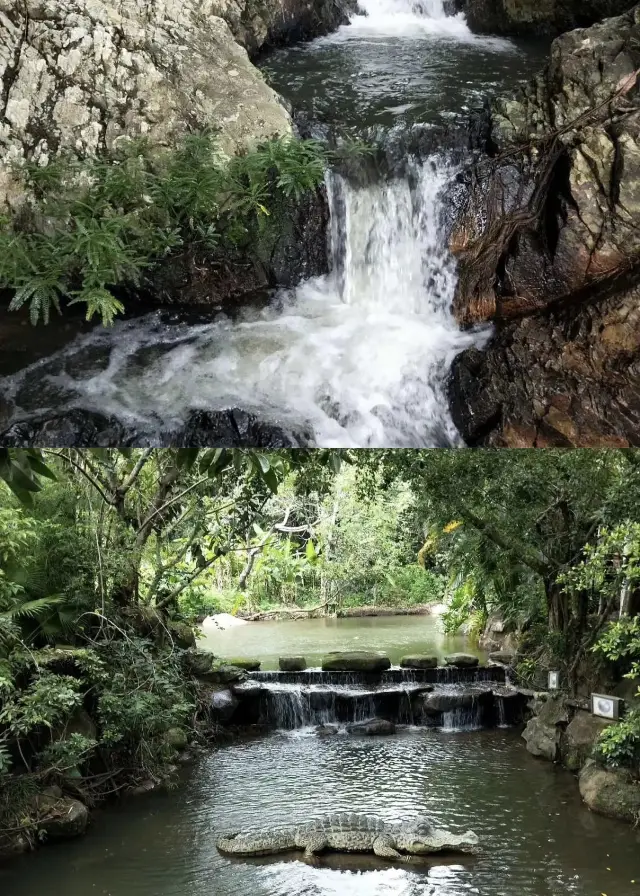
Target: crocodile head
x: 422, y: 839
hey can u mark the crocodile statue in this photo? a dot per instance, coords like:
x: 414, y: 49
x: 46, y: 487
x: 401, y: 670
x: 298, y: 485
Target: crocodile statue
x: 350, y: 832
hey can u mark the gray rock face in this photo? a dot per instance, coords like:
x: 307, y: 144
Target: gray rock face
x: 610, y: 792
x: 547, y: 246
x: 82, y: 73
x: 543, y: 733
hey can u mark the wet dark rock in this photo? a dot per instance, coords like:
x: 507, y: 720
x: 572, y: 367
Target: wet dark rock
x: 183, y: 634
x: 327, y: 730
x: 78, y: 428
x: 579, y: 739
x: 246, y: 663
x: 532, y: 17
x: 549, y: 251
x: 246, y: 690
x: 198, y: 662
x: 502, y: 657
x: 372, y: 728
x: 260, y: 26
x: 223, y: 704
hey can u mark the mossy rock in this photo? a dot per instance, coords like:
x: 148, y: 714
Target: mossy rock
x: 462, y: 660
x: 579, y: 739
x: 247, y: 664
x: 183, y: 634
x: 355, y: 661
x: 224, y: 673
x: 419, y: 661
x: 292, y: 663
x: 60, y: 817
x: 199, y: 663
x: 611, y: 792
x: 176, y: 738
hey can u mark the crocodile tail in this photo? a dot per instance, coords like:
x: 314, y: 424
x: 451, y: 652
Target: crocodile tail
x: 256, y: 845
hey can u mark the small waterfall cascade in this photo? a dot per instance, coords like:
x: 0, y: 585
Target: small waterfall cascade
x: 448, y: 707
x: 411, y: 17
x: 442, y: 675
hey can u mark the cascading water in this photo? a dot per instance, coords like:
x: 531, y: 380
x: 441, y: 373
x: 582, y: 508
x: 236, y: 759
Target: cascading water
x: 356, y: 358
x: 408, y: 18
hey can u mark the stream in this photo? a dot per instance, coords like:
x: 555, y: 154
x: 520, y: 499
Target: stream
x: 359, y: 357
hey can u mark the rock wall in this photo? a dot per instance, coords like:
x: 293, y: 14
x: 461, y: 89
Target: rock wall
x: 562, y: 731
x: 257, y: 24
x: 549, y: 251
x: 81, y: 73
x: 537, y: 17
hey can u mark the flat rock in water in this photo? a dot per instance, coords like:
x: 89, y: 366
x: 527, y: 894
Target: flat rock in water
x: 327, y: 730
x: 355, y: 661
x: 463, y: 660
x: 419, y: 661
x: 222, y: 621
x: 292, y: 663
x: 502, y: 657
x: 245, y: 663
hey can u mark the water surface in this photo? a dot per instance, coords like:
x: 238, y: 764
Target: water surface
x: 395, y: 636
x: 538, y: 840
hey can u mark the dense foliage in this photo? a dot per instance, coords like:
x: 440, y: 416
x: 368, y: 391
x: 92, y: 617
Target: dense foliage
x: 107, y: 557
x: 92, y: 228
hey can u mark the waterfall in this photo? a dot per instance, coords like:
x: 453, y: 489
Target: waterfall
x: 409, y: 18
x: 359, y: 357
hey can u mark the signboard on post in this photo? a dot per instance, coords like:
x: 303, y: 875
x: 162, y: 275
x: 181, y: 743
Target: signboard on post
x: 554, y: 681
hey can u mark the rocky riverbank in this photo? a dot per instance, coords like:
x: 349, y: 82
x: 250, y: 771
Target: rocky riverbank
x: 548, y: 252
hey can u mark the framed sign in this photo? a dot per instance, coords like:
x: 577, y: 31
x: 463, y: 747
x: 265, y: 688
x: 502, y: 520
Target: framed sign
x: 606, y: 707
x: 554, y: 681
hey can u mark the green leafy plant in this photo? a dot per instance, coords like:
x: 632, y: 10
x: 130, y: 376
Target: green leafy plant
x: 93, y: 228
x: 619, y: 744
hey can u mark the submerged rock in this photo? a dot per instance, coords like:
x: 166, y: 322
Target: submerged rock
x: 327, y: 730
x: 355, y: 661
x: 419, y: 661
x: 611, y: 792
x: 547, y: 248
x: 372, y: 728
x: 292, y: 663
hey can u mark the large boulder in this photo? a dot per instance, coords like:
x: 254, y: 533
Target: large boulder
x: 355, y: 661
x: 82, y: 73
x: 183, y: 634
x: 499, y: 634
x: 292, y: 663
x: 582, y: 732
x: 462, y: 660
x: 547, y: 244
x: 446, y: 702
x: 199, y: 663
x: 372, y: 728
x: 419, y: 661
x: 611, y: 792
x: 59, y: 817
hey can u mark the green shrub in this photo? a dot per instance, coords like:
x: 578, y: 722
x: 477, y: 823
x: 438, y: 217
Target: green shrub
x: 93, y: 227
x: 619, y: 745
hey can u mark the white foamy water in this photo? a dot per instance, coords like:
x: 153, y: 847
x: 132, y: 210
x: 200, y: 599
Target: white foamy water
x: 356, y: 358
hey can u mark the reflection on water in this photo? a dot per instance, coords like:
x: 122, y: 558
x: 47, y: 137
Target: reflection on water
x: 537, y: 838
x: 396, y: 636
